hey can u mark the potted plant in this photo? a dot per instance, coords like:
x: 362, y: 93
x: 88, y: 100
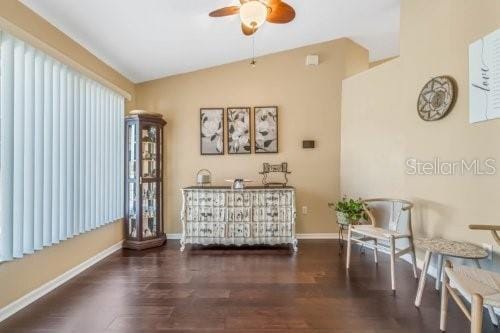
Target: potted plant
x: 349, y: 210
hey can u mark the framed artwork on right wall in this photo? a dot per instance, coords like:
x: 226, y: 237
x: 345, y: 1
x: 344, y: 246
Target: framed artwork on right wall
x: 266, y: 129
x: 484, y: 78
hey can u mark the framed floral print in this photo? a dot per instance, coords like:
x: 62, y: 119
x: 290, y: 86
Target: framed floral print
x: 212, y: 131
x: 266, y: 129
x: 238, y: 128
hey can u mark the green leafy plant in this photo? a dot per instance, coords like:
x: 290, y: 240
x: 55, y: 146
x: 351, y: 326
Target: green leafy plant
x: 351, y: 209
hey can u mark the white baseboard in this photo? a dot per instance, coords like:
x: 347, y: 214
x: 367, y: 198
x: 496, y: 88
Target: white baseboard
x: 174, y: 236
x: 299, y: 236
x: 318, y: 236
x: 46, y: 288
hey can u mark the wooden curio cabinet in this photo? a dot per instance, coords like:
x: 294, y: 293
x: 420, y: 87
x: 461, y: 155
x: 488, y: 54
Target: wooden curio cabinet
x: 144, y: 183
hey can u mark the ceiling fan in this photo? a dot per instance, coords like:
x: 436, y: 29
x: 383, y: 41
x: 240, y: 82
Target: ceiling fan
x: 254, y: 13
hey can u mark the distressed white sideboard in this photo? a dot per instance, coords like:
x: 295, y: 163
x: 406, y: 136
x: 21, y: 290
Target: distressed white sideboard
x: 253, y: 216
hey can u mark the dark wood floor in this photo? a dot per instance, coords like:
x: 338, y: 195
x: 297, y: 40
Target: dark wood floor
x: 237, y: 290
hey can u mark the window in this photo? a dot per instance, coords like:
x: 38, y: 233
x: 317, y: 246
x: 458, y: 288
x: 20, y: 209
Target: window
x: 61, y: 149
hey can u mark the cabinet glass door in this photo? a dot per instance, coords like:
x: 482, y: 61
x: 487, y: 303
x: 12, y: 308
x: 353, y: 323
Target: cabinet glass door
x: 132, y: 213
x: 132, y: 167
x: 149, y: 137
x: 150, y: 209
x: 160, y: 152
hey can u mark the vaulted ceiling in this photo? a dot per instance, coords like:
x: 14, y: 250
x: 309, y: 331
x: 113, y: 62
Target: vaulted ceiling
x: 149, y: 39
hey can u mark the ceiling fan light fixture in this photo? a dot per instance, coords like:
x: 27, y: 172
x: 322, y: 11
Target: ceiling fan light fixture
x: 253, y: 14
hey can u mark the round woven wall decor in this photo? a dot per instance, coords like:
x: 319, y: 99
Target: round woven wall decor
x: 437, y: 98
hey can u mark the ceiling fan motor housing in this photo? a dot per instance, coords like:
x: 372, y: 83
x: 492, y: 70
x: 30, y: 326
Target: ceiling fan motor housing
x: 254, y: 13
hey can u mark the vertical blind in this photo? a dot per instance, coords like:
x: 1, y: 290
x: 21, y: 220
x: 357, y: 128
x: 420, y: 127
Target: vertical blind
x: 61, y: 149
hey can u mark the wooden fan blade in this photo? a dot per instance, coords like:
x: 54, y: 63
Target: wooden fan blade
x: 248, y: 31
x: 272, y: 3
x: 280, y: 12
x: 226, y: 11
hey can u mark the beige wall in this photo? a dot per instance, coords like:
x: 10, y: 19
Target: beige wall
x: 20, y: 276
x: 309, y: 108
x: 381, y: 128
x: 380, y: 62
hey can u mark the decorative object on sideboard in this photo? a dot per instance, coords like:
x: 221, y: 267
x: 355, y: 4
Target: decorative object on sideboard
x: 143, y: 183
x: 308, y: 144
x: 204, y: 177
x: 437, y: 98
x: 266, y: 129
x: 212, y: 131
x: 269, y: 169
x: 238, y: 125
x: 238, y: 183
x: 484, y: 78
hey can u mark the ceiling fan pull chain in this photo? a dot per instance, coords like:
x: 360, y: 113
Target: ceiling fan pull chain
x: 253, y: 62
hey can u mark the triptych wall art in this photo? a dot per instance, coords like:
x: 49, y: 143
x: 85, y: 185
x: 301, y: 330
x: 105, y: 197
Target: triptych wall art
x: 238, y: 127
x: 212, y: 131
x: 239, y: 130
x: 266, y: 129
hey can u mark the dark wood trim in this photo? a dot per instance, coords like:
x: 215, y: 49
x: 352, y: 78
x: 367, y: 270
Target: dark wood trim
x: 147, y: 118
x: 250, y: 137
x: 145, y: 244
x: 277, y: 130
x: 223, y: 134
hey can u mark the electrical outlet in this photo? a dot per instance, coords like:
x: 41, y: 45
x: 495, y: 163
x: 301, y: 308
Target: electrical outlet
x: 304, y: 210
x: 488, y: 248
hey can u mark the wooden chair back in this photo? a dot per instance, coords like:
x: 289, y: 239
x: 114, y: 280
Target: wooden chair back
x: 495, y: 229
x: 397, y: 208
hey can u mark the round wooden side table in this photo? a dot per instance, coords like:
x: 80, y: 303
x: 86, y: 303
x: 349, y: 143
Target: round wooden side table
x: 444, y: 248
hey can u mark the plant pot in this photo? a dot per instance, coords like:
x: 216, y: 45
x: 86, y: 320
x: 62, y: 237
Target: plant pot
x: 343, y: 219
